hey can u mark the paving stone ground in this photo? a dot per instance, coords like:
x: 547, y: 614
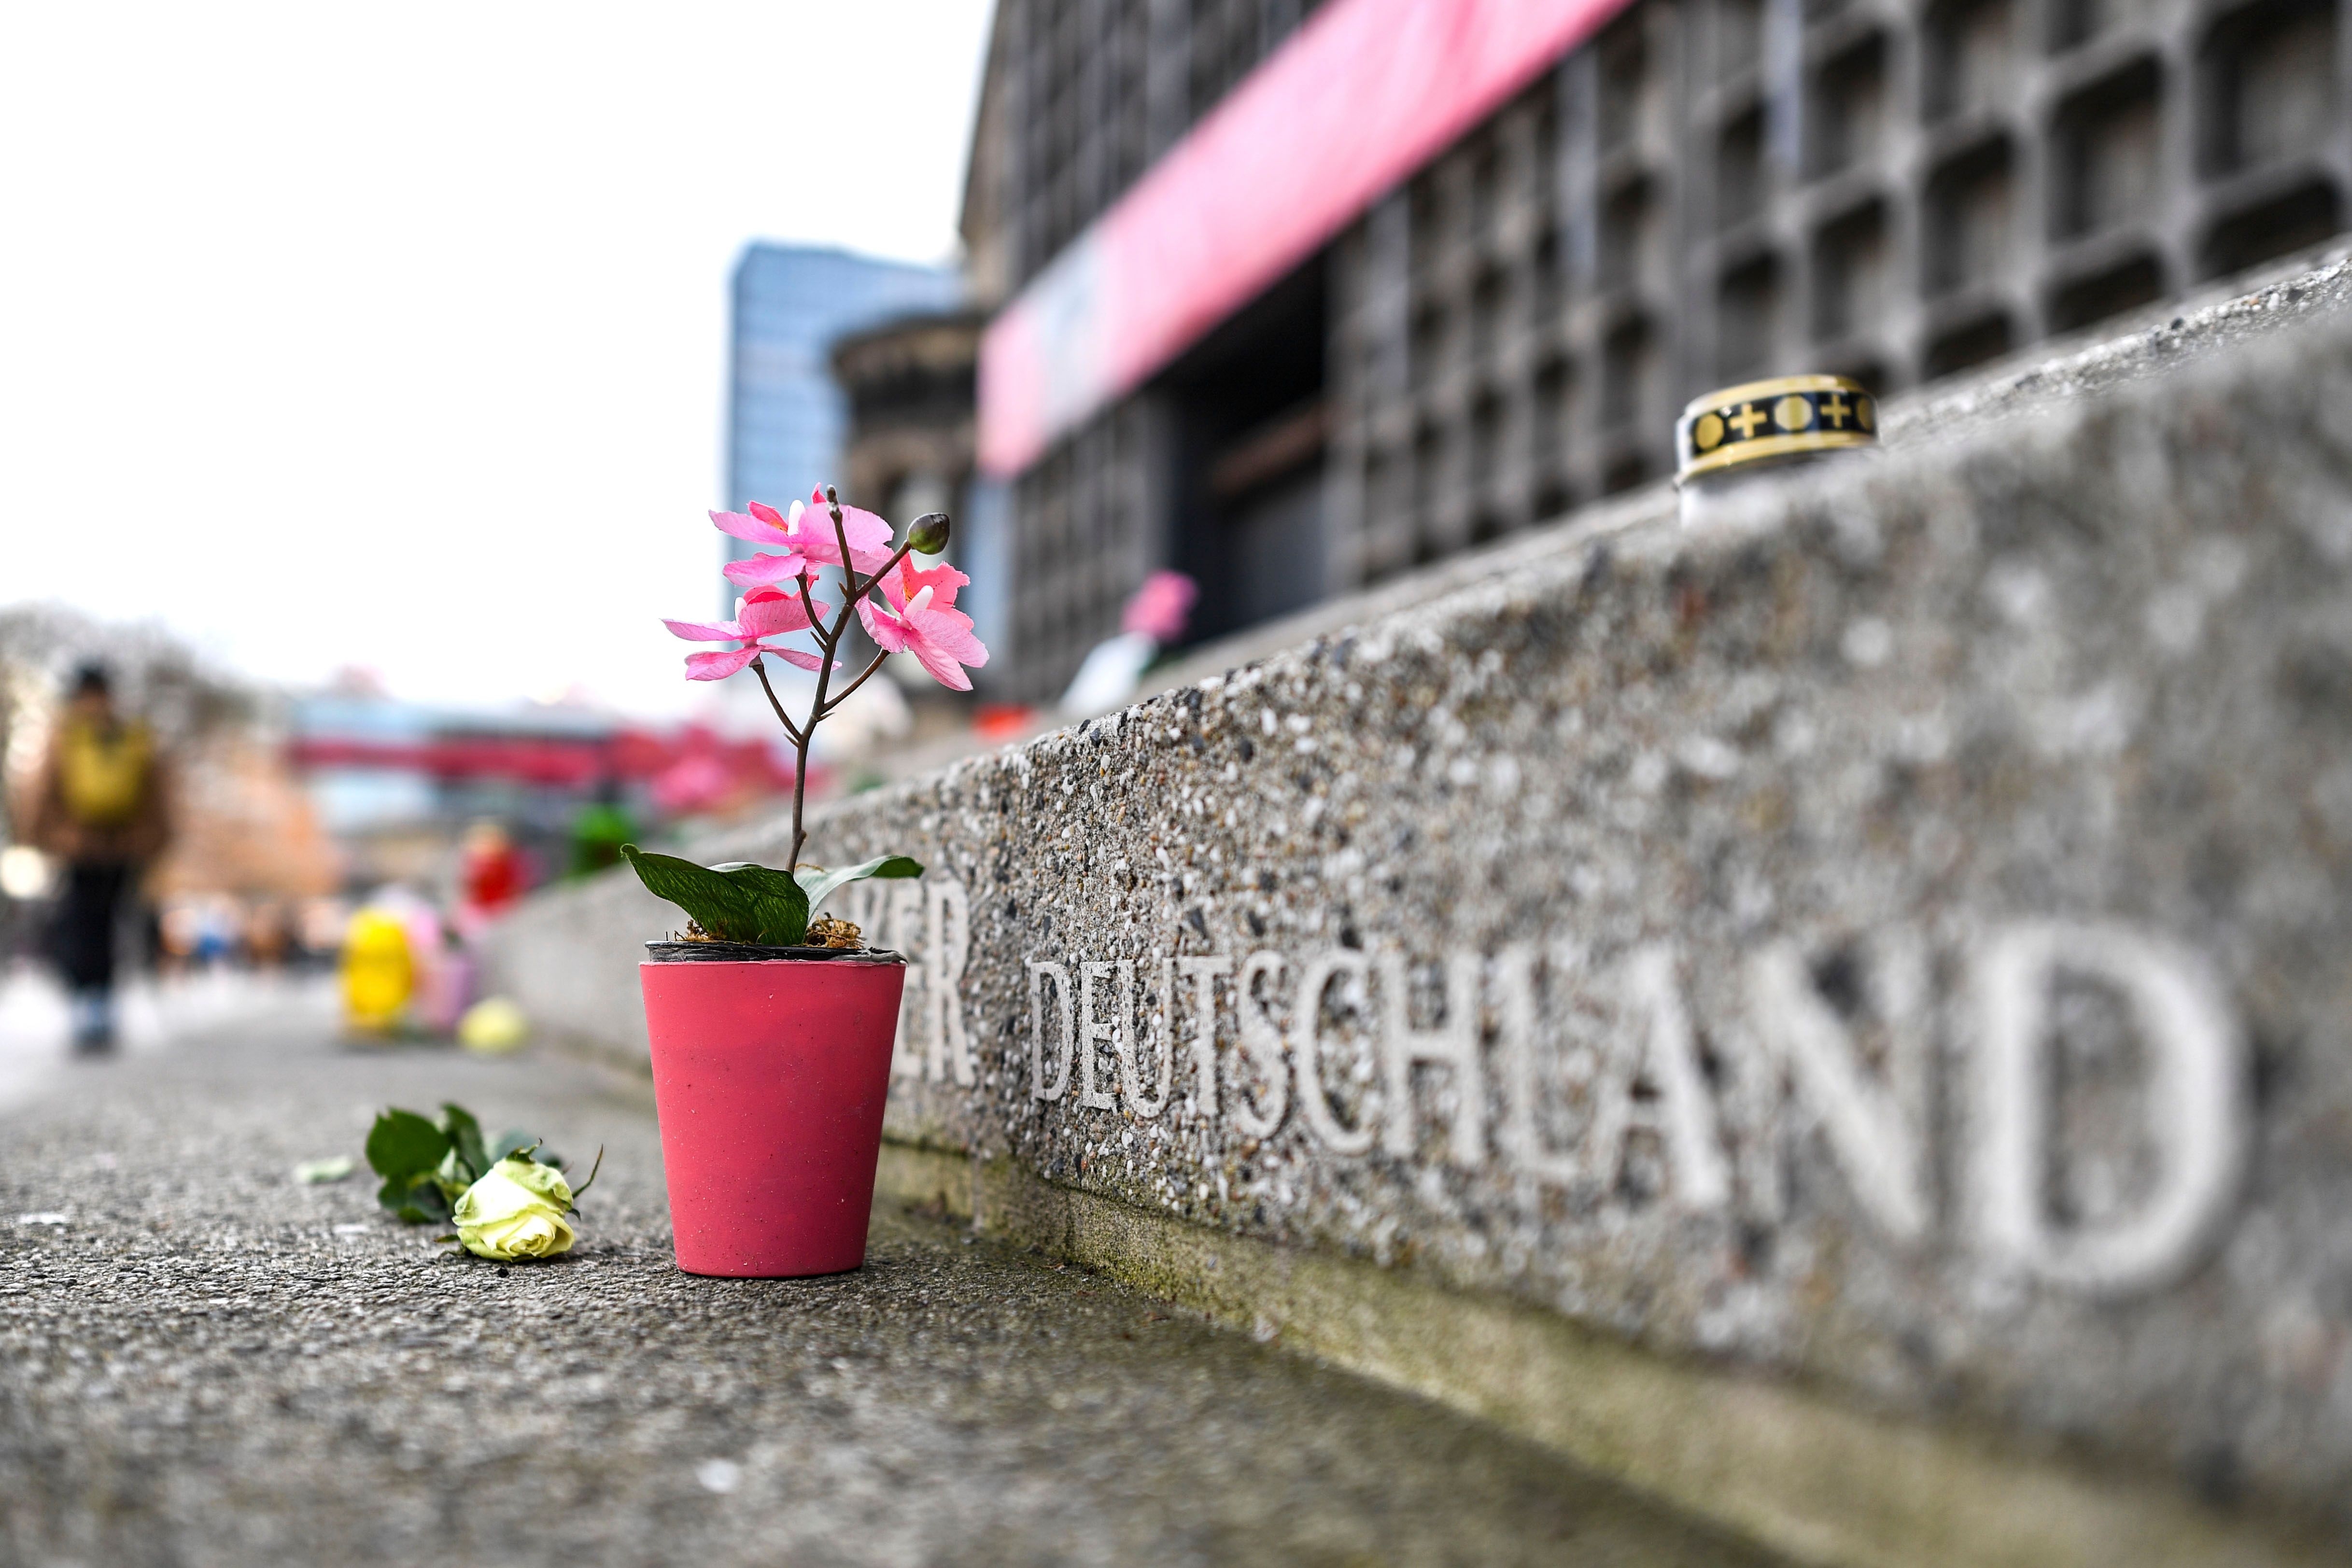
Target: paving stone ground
x: 207, y: 1363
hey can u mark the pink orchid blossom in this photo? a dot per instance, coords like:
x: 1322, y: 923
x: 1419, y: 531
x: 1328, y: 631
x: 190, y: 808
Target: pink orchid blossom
x: 921, y: 620
x: 1161, y: 606
x: 764, y: 612
x: 763, y: 524
x: 906, y: 608
x: 806, y: 537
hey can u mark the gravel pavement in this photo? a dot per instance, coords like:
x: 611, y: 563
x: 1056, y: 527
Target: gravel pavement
x: 202, y: 1361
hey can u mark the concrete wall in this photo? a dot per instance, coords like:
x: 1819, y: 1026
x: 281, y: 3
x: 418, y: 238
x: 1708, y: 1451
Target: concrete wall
x: 1888, y: 940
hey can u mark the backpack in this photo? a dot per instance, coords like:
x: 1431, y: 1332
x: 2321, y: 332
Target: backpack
x: 102, y: 776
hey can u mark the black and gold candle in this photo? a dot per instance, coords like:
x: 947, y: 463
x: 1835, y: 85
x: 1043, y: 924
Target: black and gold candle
x: 1764, y: 422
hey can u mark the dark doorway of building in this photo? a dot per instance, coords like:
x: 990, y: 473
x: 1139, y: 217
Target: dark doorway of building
x: 1247, y: 421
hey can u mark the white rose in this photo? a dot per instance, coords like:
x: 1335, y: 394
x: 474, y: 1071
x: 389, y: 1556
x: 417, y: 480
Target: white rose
x: 516, y: 1210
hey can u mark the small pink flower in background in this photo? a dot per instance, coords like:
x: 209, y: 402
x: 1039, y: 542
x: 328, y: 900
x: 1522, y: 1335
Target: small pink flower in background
x: 806, y: 537
x: 764, y: 612
x: 920, y: 619
x: 693, y: 784
x: 1161, y: 606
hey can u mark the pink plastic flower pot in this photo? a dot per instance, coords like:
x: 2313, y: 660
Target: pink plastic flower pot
x: 769, y: 1077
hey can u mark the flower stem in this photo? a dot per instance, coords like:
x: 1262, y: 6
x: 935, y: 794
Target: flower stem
x: 835, y: 706
x: 828, y: 641
x: 791, y: 729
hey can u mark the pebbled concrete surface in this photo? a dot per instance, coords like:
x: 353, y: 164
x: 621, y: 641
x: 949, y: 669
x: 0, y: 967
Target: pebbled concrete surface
x: 207, y: 1363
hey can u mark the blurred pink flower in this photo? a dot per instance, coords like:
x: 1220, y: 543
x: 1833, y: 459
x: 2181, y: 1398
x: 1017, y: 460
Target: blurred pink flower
x: 764, y: 612
x: 921, y: 620
x: 806, y: 537
x: 1161, y: 606
x: 693, y: 784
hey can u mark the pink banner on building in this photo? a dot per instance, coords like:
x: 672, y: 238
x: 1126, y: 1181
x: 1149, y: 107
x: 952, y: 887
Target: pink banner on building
x: 1364, y: 94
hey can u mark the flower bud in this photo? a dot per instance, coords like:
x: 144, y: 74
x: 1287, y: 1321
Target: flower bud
x: 929, y: 533
x: 517, y: 1211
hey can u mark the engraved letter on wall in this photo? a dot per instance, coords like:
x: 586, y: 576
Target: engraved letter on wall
x: 1041, y: 972
x: 1874, y: 1130
x: 2194, y: 1100
x: 948, y: 946
x: 1453, y: 1045
x: 1307, y: 1048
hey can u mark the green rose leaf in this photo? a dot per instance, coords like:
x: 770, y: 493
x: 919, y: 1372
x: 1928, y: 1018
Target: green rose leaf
x: 425, y: 1201
x: 401, y: 1144
x: 451, y: 1175
x: 735, y: 903
x: 821, y: 882
x: 466, y: 1140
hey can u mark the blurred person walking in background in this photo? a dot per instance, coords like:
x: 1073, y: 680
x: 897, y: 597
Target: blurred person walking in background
x: 492, y: 872
x: 101, y: 807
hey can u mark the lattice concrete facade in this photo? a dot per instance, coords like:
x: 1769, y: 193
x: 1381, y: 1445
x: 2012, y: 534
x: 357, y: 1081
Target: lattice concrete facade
x: 1708, y: 190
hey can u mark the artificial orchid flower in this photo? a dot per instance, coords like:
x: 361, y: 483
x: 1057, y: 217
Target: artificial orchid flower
x: 906, y: 608
x: 920, y: 619
x: 763, y: 524
x: 806, y: 537
x: 764, y: 612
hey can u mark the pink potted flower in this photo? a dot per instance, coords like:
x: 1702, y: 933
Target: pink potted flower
x: 771, y: 1029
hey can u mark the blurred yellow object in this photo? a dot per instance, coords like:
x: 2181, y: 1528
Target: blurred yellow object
x: 379, y: 974
x: 492, y: 1026
x: 102, y: 770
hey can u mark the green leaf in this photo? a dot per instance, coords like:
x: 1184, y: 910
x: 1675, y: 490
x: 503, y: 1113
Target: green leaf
x: 821, y: 882
x: 452, y: 1177
x: 779, y: 909
x: 416, y: 1199
x: 429, y: 1198
x: 466, y: 1135
x: 735, y: 903
x: 720, y: 906
x: 402, y: 1142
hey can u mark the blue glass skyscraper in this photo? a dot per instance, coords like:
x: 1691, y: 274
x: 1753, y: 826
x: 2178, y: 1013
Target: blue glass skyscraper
x: 785, y: 415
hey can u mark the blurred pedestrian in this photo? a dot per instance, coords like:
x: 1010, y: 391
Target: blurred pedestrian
x: 102, y: 808
x: 492, y: 875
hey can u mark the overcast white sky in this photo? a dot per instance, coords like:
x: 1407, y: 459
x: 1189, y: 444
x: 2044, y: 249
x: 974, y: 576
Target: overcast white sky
x: 396, y: 336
